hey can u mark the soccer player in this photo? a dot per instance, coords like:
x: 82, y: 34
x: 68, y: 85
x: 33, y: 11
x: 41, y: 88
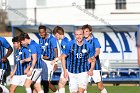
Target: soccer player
x: 96, y: 45
x: 4, y: 62
x: 34, y: 74
x: 80, y: 65
x: 18, y: 75
x: 62, y: 41
x: 49, y: 53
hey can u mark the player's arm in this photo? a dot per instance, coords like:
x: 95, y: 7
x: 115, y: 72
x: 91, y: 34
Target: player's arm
x: 10, y: 50
x: 63, y: 60
x: 27, y: 56
x: 45, y: 57
x: 13, y: 72
x: 97, y: 52
x: 56, y: 60
x: 92, y: 61
x: 25, y: 60
x: 27, y: 69
x: 92, y: 65
x: 97, y: 47
x: 34, y: 59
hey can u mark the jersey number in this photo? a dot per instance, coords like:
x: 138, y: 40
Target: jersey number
x: 79, y: 55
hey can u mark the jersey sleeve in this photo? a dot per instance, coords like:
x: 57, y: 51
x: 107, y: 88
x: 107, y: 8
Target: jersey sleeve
x: 91, y: 51
x: 67, y: 49
x: 33, y: 49
x: 5, y: 43
x: 64, y: 44
x: 97, y: 44
x: 26, y: 53
x: 53, y: 42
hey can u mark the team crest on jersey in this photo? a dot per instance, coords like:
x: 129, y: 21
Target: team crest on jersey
x: 84, y: 50
x: 29, y: 50
x: 17, y: 58
x: 46, y: 44
x: 64, y: 47
x: 20, y: 53
x: 43, y: 47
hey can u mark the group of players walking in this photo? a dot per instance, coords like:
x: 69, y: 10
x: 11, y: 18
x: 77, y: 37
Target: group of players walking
x: 36, y: 62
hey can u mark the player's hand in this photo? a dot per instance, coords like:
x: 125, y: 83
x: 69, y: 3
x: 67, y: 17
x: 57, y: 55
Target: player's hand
x: 90, y: 72
x: 66, y: 74
x: 93, y: 59
x: 29, y: 73
x: 21, y: 61
x: 90, y: 60
x: 52, y: 62
x: 55, y: 67
x: 45, y: 57
x: 26, y: 71
x: 4, y: 59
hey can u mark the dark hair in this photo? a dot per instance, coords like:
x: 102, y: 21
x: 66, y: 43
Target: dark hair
x: 42, y: 27
x: 15, y: 39
x: 87, y: 27
x: 23, y: 36
x: 58, y: 30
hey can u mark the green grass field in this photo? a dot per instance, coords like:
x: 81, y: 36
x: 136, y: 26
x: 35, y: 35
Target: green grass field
x: 93, y: 89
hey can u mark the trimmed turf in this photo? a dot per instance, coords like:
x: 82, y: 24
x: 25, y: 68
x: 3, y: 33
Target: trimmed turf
x: 93, y: 89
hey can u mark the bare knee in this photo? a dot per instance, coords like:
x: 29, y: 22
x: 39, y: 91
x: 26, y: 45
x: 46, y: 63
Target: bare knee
x: 12, y: 88
x: 27, y: 83
x: 73, y: 90
x: 38, y: 87
x: 100, y: 86
x: 81, y: 90
x: 62, y: 83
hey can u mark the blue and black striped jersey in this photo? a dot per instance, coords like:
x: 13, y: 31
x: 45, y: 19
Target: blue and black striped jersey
x: 21, y: 54
x: 3, y: 46
x: 78, y: 56
x: 48, y: 46
x: 95, y: 43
